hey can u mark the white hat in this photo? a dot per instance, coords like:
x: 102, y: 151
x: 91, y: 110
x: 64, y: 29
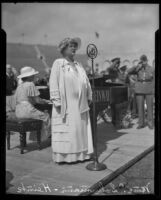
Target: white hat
x: 27, y: 71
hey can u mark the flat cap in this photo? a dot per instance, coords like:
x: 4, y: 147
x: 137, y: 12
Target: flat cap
x: 143, y: 58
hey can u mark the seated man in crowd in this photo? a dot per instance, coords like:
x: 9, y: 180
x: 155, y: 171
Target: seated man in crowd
x: 11, y: 82
x: 11, y: 85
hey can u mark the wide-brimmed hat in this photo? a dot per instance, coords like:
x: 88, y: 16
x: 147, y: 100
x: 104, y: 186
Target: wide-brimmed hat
x: 65, y: 42
x: 143, y: 58
x: 27, y: 71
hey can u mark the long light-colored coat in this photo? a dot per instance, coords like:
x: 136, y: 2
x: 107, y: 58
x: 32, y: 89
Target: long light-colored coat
x: 71, y: 128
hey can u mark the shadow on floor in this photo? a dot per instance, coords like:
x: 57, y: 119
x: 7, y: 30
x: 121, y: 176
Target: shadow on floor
x: 105, y: 133
x: 32, y: 146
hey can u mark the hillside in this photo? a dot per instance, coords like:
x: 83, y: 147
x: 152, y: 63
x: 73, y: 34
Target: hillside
x: 20, y: 55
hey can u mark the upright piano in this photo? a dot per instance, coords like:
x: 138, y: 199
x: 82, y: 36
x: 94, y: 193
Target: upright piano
x: 105, y: 94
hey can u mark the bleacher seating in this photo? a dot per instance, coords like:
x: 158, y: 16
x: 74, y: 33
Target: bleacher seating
x: 20, y: 55
x: 20, y: 50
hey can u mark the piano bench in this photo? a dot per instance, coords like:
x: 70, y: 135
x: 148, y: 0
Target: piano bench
x: 22, y: 126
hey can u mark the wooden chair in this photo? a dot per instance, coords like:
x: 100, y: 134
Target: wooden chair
x: 22, y: 126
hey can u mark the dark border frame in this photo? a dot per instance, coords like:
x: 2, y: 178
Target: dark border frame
x: 157, y: 110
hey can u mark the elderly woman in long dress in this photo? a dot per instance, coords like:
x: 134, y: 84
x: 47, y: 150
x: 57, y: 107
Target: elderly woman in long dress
x: 71, y: 94
x: 26, y: 96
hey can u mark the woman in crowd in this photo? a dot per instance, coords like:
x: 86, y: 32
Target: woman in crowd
x: 26, y: 97
x: 71, y: 95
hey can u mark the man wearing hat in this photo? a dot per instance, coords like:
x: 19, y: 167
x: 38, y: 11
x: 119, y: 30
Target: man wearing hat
x: 144, y: 90
x: 113, y: 70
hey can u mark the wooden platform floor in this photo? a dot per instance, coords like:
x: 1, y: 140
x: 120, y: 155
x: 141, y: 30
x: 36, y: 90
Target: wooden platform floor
x: 35, y: 173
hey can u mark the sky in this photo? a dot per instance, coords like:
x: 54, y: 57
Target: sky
x: 125, y: 30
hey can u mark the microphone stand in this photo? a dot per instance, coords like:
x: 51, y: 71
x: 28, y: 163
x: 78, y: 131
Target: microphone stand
x: 94, y: 166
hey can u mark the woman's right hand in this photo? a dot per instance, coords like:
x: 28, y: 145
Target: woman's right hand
x: 56, y: 104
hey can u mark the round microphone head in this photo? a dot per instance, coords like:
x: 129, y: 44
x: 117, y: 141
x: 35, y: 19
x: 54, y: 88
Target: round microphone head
x: 92, y: 51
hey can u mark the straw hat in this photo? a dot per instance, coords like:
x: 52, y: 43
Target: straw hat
x: 67, y: 41
x: 27, y: 71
